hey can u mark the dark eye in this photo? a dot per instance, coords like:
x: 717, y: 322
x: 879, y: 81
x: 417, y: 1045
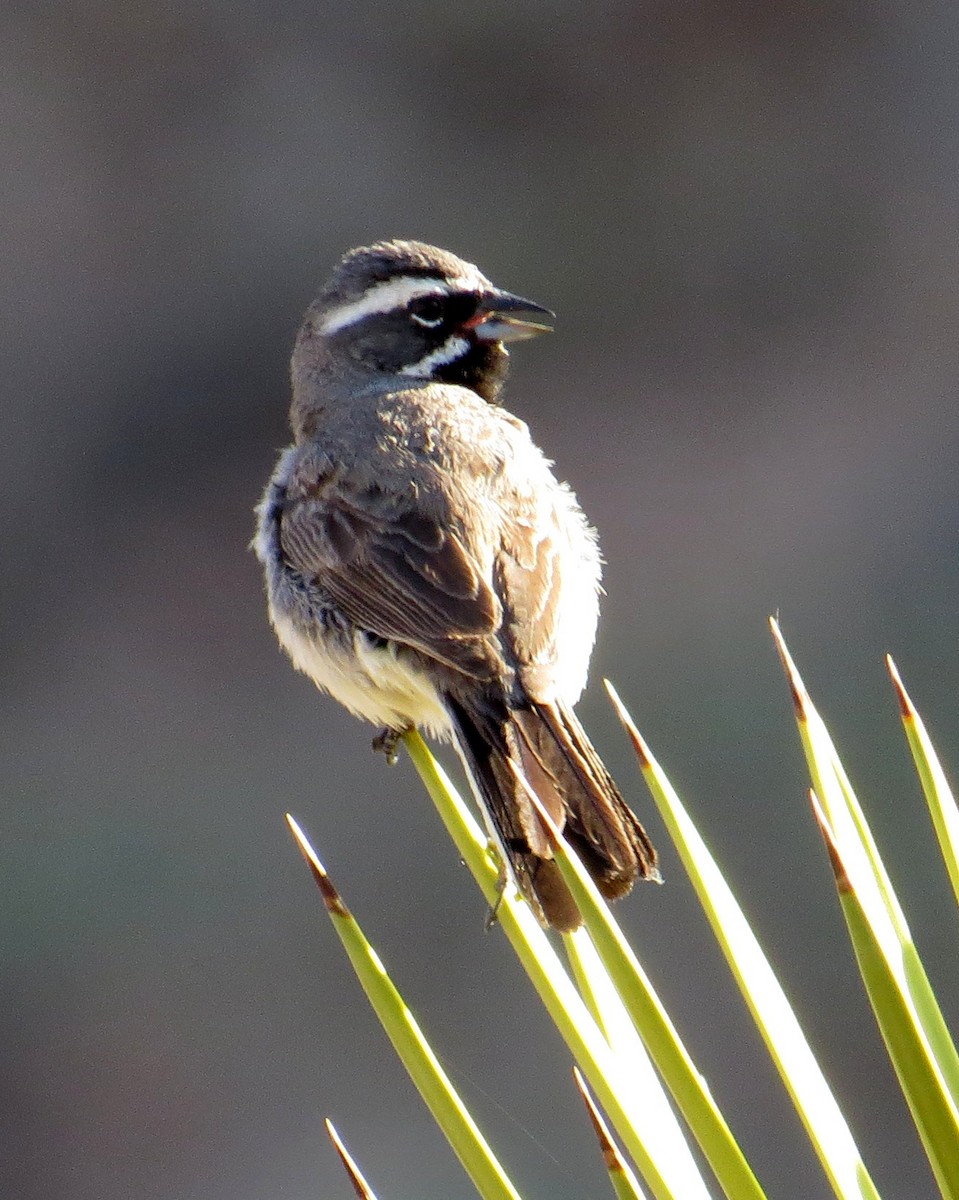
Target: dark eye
x: 427, y: 310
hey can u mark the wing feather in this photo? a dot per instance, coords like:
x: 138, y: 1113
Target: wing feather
x: 402, y: 573
x: 471, y: 576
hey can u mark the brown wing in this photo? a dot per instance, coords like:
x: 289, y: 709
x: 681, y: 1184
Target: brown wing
x: 393, y: 569
x: 528, y: 575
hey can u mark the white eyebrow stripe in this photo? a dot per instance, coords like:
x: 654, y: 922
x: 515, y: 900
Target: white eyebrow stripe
x: 449, y: 352
x: 395, y: 293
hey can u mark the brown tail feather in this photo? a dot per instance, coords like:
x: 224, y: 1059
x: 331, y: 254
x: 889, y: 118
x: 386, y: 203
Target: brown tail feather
x: 484, y: 742
x: 599, y: 824
x: 561, y: 766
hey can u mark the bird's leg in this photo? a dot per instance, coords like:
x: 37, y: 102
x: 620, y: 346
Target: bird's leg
x: 502, y: 882
x: 387, y: 742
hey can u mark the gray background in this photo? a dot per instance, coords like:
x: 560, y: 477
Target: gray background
x: 746, y: 218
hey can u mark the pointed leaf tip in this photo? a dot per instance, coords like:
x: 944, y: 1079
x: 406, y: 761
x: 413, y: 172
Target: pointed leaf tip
x: 360, y: 1186
x: 796, y: 685
x: 906, y: 707
x: 640, y: 748
x: 304, y: 846
x: 331, y: 897
x: 550, y: 828
x: 832, y: 847
x: 607, y: 1146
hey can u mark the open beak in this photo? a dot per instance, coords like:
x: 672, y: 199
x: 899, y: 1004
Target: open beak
x: 501, y: 317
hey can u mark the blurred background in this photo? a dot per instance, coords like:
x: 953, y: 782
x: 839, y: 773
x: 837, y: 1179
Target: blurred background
x: 746, y: 217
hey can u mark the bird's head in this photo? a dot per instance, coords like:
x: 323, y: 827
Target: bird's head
x: 412, y: 312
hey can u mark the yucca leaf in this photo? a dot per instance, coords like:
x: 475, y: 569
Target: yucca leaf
x: 774, y: 1017
x: 408, y: 1040
x: 864, y: 867
x: 679, y: 1073
x: 939, y: 797
x: 625, y: 1184
x: 360, y: 1186
x: 643, y: 1119
x: 935, y: 1115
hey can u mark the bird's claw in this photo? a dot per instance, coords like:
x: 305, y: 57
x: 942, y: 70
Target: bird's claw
x: 387, y: 742
x: 501, y: 883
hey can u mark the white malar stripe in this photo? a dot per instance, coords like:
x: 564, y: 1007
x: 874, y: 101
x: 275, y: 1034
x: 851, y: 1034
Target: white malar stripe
x: 449, y: 352
x: 397, y: 293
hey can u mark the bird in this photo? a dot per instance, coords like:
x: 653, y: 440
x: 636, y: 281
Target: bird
x: 426, y: 568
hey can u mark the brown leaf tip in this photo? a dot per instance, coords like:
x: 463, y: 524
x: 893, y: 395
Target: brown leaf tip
x: 797, y: 688
x: 906, y: 706
x: 550, y: 828
x: 360, y: 1186
x: 611, y: 1155
x: 639, y: 745
x: 331, y: 897
x: 843, y: 883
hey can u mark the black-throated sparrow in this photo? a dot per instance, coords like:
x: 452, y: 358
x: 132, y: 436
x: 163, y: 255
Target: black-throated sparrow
x: 425, y: 567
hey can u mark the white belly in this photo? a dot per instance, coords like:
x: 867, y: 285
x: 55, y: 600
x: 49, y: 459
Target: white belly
x: 368, y: 680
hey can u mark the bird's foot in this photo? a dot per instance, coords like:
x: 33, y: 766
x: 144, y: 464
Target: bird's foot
x: 387, y: 742
x: 501, y: 884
